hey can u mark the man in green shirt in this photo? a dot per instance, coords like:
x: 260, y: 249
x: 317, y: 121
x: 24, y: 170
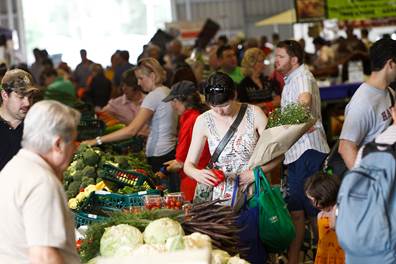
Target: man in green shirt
x: 58, y: 88
x: 228, y: 63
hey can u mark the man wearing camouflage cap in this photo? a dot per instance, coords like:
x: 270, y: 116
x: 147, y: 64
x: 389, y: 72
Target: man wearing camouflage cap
x: 17, y: 92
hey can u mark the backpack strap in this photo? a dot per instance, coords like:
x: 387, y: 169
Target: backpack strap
x: 374, y: 146
x: 392, y: 98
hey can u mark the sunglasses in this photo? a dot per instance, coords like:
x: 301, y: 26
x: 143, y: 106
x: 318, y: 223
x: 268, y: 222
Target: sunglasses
x: 211, y: 89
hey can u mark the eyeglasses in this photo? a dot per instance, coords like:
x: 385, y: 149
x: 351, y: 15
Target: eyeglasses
x: 214, y: 89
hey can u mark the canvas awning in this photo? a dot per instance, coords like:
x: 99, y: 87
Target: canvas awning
x: 286, y: 17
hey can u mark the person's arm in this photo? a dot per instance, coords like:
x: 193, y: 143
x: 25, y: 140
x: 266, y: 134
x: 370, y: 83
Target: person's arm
x: 247, y: 176
x: 197, y: 144
x: 305, y: 99
x: 142, y: 117
x: 45, y: 255
x: 183, y: 144
x: 174, y: 165
x: 348, y: 151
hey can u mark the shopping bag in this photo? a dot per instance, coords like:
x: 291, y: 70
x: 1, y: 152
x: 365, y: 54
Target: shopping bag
x: 276, y: 227
x: 251, y: 247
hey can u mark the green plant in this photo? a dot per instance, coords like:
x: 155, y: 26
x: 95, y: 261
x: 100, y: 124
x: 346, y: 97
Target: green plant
x: 291, y: 114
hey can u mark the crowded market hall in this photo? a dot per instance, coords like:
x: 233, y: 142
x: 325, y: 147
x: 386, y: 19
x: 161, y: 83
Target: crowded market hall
x: 198, y: 131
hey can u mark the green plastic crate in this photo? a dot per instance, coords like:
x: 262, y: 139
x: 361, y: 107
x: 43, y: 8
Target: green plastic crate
x: 131, y: 145
x: 81, y: 218
x: 109, y: 202
x: 90, y: 128
x: 118, y: 201
x: 125, y: 177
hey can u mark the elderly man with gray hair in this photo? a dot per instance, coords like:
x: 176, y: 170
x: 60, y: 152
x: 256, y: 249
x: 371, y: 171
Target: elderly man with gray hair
x: 37, y: 226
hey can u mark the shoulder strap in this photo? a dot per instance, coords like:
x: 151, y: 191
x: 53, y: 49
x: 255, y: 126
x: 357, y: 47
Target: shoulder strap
x: 392, y: 98
x: 227, y: 136
x: 373, y: 146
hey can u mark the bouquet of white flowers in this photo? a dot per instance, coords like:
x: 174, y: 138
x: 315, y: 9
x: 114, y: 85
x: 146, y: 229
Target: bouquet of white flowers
x: 285, y: 126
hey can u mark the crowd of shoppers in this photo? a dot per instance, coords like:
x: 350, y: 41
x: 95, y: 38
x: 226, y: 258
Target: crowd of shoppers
x: 184, y: 131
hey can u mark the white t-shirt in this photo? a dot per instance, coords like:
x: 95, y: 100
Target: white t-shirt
x: 366, y: 115
x: 34, y: 210
x: 163, y: 125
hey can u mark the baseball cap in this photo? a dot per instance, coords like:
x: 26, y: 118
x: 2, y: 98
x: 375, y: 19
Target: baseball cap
x: 182, y: 88
x: 19, y: 81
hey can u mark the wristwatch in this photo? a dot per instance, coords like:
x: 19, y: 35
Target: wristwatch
x: 99, y: 141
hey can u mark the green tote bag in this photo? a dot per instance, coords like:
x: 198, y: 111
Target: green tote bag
x: 275, y: 224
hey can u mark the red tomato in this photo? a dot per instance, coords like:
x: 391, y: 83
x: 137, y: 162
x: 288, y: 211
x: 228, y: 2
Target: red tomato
x: 142, y: 171
x: 78, y: 244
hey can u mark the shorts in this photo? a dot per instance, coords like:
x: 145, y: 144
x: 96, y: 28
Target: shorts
x: 298, y: 172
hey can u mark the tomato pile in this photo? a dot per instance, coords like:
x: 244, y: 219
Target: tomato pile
x: 174, y: 201
x: 152, y: 202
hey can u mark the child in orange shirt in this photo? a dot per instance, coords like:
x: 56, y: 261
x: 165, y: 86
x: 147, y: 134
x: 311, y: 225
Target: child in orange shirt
x: 322, y: 190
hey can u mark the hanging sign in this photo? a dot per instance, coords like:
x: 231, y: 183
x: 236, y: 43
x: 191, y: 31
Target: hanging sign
x: 360, y: 9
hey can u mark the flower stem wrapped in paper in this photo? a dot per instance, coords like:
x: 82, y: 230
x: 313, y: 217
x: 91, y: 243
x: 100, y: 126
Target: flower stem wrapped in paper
x: 285, y: 126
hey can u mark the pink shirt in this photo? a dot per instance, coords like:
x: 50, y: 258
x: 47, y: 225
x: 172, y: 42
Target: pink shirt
x: 122, y: 109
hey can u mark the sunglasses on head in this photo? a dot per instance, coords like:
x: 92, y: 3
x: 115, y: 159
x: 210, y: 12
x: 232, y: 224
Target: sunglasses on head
x: 210, y: 89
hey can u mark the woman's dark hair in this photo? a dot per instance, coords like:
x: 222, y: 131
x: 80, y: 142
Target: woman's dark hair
x: 193, y: 101
x: 323, y: 188
x: 129, y: 78
x: 3, y: 69
x: 183, y: 72
x: 219, y: 89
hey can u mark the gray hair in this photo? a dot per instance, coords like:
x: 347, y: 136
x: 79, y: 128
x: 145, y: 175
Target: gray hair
x: 45, y: 121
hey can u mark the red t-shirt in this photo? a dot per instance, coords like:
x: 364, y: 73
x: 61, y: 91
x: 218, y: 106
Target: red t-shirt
x: 186, y: 125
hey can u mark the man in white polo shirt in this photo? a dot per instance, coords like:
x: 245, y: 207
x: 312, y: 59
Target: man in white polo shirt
x: 306, y: 156
x: 36, y: 224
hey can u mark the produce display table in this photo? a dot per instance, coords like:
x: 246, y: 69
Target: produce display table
x: 198, y: 256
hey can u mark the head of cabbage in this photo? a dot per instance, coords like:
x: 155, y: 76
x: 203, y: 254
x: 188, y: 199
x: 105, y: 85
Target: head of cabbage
x: 120, y: 240
x: 197, y: 241
x: 158, y: 231
x: 220, y: 256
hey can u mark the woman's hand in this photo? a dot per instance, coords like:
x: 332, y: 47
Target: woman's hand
x: 90, y: 142
x: 246, y: 178
x: 173, y: 165
x: 204, y: 176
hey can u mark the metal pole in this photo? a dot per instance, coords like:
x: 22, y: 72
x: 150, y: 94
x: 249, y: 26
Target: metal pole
x: 174, y: 10
x: 21, y: 30
x: 10, y: 15
x: 188, y: 10
x: 244, y: 15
